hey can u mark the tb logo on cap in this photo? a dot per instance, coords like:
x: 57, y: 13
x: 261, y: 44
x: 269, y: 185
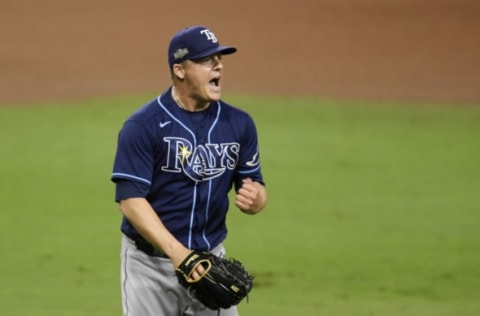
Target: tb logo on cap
x: 210, y: 36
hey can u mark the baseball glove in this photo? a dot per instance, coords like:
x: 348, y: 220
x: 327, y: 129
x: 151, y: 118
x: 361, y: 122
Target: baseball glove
x: 224, y: 283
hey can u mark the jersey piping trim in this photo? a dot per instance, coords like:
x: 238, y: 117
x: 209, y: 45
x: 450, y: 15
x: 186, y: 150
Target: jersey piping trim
x: 177, y: 120
x: 129, y: 176
x: 210, y: 181
x: 249, y: 171
x: 192, y: 216
x: 194, y: 202
x: 207, y: 215
x: 219, y: 107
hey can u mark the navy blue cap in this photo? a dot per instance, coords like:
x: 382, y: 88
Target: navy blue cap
x: 195, y: 42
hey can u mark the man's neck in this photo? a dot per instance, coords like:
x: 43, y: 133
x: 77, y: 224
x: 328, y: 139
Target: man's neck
x: 187, y: 103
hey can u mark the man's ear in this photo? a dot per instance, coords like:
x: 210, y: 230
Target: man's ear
x: 178, y: 71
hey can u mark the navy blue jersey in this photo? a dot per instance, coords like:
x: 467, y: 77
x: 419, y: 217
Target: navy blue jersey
x: 185, y: 163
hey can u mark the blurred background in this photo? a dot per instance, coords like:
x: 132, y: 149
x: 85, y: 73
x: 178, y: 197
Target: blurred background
x: 368, y: 49
x: 373, y: 194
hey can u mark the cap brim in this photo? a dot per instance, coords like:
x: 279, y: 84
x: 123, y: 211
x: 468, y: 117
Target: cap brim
x: 224, y: 50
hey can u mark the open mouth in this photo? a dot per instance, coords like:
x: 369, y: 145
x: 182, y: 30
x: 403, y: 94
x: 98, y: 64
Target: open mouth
x: 215, y: 82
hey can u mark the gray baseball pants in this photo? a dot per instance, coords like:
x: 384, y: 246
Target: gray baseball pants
x: 150, y: 287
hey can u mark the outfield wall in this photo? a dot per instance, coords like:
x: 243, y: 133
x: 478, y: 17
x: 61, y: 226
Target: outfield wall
x: 369, y: 49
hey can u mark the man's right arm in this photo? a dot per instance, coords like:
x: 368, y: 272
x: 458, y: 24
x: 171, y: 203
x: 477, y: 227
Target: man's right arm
x: 142, y: 216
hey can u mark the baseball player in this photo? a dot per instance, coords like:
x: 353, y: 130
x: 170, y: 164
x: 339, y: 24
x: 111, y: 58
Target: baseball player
x: 177, y: 158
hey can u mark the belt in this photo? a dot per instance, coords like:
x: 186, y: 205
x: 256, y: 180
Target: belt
x: 150, y: 250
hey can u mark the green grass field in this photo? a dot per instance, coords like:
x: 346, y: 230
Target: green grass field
x: 374, y: 209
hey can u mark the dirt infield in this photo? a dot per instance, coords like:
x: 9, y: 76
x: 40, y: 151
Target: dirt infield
x: 370, y: 49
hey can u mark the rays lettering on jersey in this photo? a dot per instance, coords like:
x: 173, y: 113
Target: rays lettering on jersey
x: 203, y: 162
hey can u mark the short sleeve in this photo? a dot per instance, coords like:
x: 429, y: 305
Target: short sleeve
x: 134, y: 156
x: 249, y: 162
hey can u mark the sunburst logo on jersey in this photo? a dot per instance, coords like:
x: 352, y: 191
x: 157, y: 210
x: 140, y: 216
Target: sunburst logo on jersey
x: 184, y: 152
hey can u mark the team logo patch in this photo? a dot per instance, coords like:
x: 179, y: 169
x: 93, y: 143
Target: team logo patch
x: 180, y: 53
x: 255, y: 161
